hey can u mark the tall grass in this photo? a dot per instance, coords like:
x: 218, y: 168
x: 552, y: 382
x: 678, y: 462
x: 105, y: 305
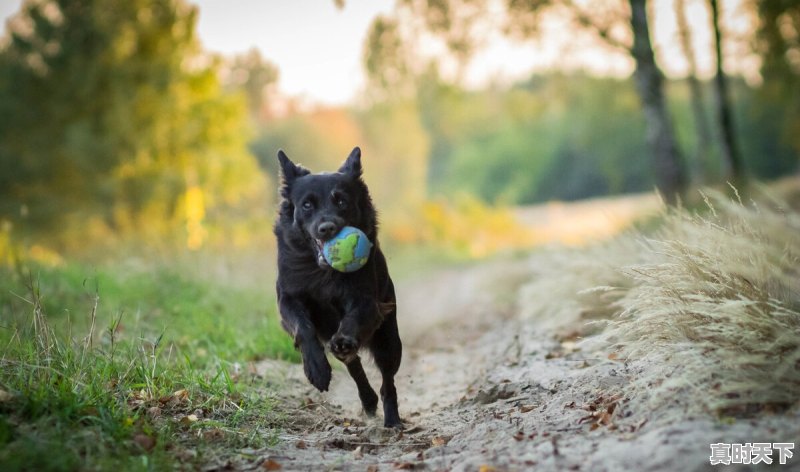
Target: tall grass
x: 718, y: 305
x: 705, y: 311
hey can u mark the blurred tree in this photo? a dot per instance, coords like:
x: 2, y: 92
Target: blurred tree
x: 728, y: 143
x: 111, y: 114
x: 553, y: 136
x: 697, y: 99
x: 463, y: 24
x: 778, y: 43
x: 396, y: 150
x: 669, y: 170
x: 387, y: 60
x: 254, y: 75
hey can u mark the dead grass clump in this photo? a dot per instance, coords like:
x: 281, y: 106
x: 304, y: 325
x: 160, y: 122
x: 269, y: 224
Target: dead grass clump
x: 714, y: 310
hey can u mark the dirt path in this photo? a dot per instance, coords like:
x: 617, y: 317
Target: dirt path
x: 482, y: 390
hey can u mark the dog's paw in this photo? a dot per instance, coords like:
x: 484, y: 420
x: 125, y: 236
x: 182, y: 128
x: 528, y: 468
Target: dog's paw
x: 344, y: 347
x: 318, y: 371
x: 369, y: 401
x: 394, y: 424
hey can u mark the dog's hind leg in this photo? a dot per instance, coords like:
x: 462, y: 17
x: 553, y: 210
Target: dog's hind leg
x: 369, y: 399
x: 387, y: 350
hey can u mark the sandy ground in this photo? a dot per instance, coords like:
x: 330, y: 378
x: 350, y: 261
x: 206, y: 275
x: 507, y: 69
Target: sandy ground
x: 482, y: 390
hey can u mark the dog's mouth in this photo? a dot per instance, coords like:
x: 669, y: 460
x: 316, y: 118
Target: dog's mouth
x: 318, y: 245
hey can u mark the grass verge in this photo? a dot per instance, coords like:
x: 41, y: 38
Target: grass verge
x: 137, y: 370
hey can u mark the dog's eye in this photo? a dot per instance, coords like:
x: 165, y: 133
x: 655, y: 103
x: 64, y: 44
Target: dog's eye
x: 307, y: 205
x: 341, y: 203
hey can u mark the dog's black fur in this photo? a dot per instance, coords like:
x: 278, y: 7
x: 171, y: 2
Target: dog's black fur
x: 318, y: 305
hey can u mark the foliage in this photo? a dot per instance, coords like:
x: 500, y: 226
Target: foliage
x: 254, y: 75
x: 396, y: 155
x: 466, y: 227
x: 778, y: 99
x: 555, y: 136
x: 116, y: 115
x: 517, y: 146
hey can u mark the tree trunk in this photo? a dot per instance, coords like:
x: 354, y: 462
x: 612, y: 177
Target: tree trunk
x: 697, y: 99
x: 667, y: 163
x: 730, y: 151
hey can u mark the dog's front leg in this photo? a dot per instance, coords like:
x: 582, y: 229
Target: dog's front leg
x: 296, y: 320
x: 361, y: 319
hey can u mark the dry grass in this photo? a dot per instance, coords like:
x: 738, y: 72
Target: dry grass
x: 706, y: 311
x: 716, y: 305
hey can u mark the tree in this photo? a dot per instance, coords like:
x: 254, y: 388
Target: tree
x: 697, y: 98
x: 777, y: 44
x: 670, y: 174
x: 455, y: 22
x: 112, y: 115
x: 730, y: 150
x: 254, y: 75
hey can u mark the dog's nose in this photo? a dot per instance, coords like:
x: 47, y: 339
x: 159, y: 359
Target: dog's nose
x: 327, y: 230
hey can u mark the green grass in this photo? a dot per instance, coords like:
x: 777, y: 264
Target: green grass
x: 103, y: 368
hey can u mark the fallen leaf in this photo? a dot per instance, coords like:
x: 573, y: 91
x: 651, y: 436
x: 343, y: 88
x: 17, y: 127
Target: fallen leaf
x: 189, y: 419
x: 270, y: 464
x: 301, y: 444
x: 486, y: 468
x: 358, y: 453
x: 526, y: 408
x: 372, y: 468
x: 144, y: 441
x: 439, y: 441
x: 404, y: 465
x: 601, y: 412
x: 519, y: 436
x: 176, y: 398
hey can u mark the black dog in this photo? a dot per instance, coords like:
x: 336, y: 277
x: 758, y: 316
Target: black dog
x: 320, y: 305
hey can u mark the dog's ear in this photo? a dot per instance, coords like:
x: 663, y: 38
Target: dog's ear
x: 289, y: 169
x: 352, y: 166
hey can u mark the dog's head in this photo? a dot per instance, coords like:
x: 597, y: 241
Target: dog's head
x: 320, y: 205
